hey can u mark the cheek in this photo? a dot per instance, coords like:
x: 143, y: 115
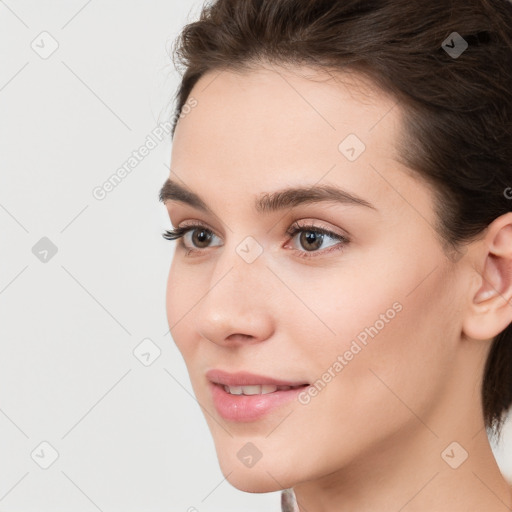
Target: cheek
x: 355, y: 308
x: 395, y: 347
x: 179, y: 301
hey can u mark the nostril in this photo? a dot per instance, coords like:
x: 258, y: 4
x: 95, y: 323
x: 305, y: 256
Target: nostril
x: 240, y: 337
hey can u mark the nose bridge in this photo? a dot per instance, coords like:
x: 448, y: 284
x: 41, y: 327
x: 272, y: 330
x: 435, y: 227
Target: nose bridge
x: 236, y: 301
x: 242, y: 264
x: 239, y: 274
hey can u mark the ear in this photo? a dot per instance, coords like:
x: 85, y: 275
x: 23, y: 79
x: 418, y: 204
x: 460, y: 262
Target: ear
x: 490, y: 308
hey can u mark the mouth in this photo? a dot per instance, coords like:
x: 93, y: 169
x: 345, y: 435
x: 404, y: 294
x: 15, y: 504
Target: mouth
x: 246, y: 397
x: 257, y: 389
x: 250, y: 380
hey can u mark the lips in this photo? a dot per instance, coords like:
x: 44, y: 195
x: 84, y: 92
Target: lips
x: 247, y: 397
x: 248, y: 379
x: 256, y: 389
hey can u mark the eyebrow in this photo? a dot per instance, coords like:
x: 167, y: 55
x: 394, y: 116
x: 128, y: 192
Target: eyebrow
x: 269, y: 201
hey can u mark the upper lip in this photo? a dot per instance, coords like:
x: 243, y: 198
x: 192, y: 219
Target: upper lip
x: 246, y: 379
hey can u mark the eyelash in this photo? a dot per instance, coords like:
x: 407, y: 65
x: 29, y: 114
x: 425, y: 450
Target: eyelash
x: 179, y: 233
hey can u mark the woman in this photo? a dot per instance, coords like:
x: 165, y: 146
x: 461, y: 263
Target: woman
x: 340, y: 290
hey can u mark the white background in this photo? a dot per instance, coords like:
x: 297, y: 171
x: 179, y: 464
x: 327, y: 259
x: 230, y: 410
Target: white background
x: 129, y: 437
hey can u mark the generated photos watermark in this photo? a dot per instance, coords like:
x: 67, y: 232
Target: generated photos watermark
x: 342, y: 360
x: 156, y: 136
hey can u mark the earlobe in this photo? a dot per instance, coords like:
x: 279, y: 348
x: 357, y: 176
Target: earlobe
x: 490, y: 309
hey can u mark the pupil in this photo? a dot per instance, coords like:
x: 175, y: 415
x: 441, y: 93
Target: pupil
x: 202, y: 236
x: 311, y: 236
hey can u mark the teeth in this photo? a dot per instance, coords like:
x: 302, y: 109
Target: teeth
x: 255, y: 389
x: 234, y: 390
x: 251, y: 390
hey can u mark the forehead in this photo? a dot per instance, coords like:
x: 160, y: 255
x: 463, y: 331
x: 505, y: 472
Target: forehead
x: 283, y: 108
x: 323, y: 99
x: 273, y: 127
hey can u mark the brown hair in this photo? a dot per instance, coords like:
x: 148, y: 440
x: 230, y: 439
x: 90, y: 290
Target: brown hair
x: 458, y: 108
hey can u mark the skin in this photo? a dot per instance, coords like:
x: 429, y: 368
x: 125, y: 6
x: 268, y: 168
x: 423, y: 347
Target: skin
x: 373, y: 437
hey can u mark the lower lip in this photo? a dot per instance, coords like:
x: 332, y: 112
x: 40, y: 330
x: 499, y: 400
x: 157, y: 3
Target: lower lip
x: 249, y: 407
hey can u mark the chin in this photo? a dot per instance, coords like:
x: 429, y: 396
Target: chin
x: 247, y: 480
x: 262, y: 477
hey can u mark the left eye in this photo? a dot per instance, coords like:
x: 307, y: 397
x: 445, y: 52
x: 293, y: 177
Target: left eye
x: 312, y: 238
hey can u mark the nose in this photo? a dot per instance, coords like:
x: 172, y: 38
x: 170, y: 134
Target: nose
x: 236, y: 308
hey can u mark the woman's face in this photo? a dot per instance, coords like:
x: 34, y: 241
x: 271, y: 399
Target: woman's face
x: 370, y: 321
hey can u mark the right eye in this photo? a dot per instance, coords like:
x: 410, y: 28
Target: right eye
x: 200, y: 236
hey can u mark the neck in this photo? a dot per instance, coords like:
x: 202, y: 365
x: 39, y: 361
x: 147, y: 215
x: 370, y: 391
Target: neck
x: 423, y: 467
x: 420, y: 478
